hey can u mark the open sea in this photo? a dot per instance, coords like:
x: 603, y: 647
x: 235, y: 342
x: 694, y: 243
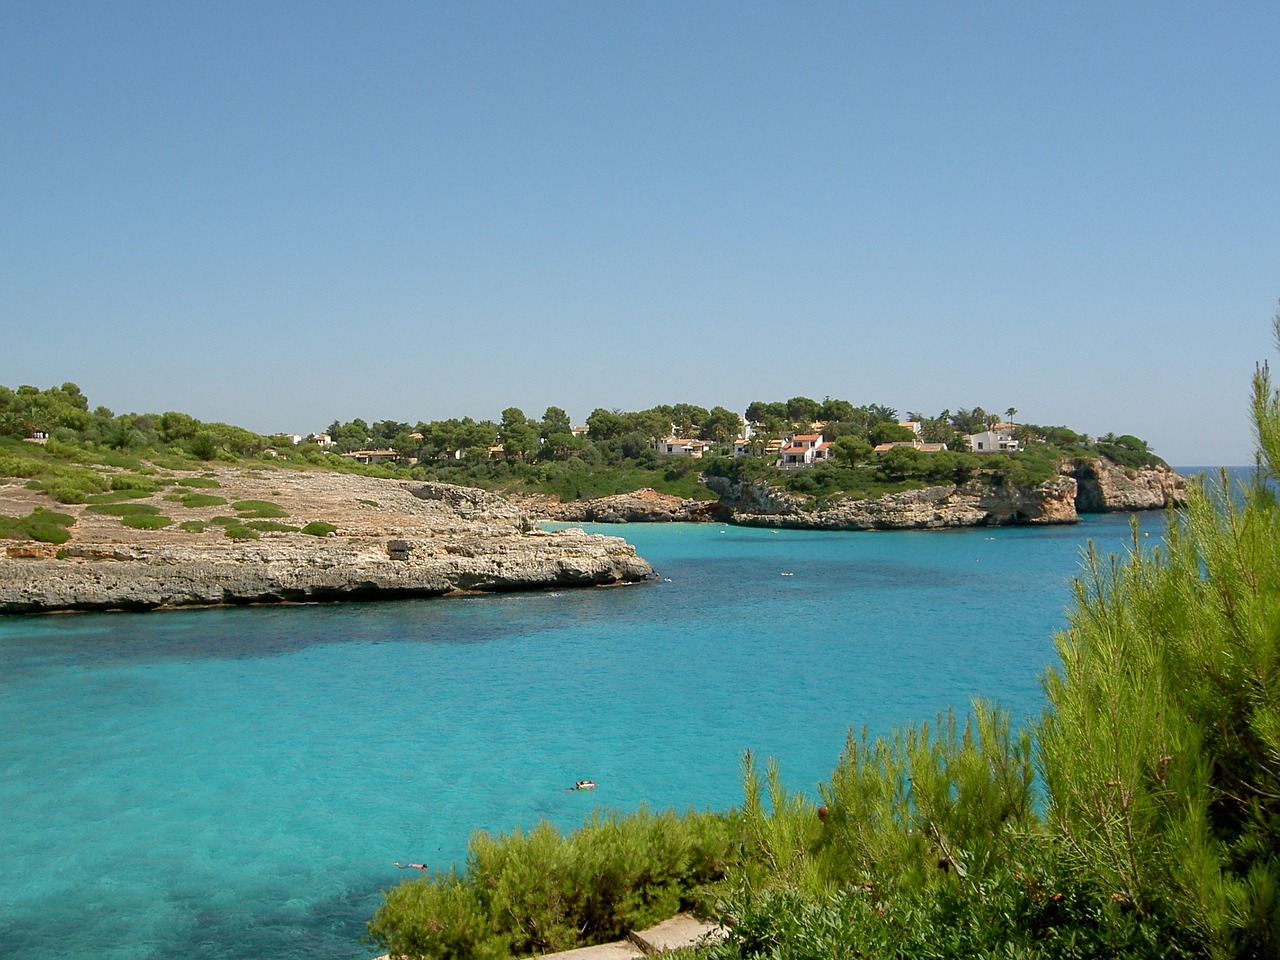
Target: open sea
x: 237, y: 784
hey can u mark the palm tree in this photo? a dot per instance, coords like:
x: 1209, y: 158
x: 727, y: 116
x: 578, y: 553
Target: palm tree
x: 1010, y: 414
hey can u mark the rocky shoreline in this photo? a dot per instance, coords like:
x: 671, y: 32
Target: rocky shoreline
x: 398, y: 539
x: 1083, y: 485
x: 394, y: 539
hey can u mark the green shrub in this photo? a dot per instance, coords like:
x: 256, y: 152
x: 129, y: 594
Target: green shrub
x: 65, y: 493
x: 48, y: 533
x: 133, y: 481
x: 119, y: 496
x: 540, y: 891
x: 45, y: 526
x: 207, y: 482
x: 263, y: 509
x: 319, y: 528
x: 194, y: 500
x: 124, y: 509
x: 226, y: 521
x: 238, y: 531
x: 193, y: 526
x: 145, y: 521
x: 270, y: 526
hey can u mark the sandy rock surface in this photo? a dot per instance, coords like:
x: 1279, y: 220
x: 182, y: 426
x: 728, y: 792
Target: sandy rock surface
x: 393, y: 538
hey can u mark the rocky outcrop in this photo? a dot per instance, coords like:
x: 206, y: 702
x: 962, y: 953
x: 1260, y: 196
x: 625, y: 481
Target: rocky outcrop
x: 407, y: 540
x: 641, y: 506
x: 974, y: 504
x: 1104, y: 486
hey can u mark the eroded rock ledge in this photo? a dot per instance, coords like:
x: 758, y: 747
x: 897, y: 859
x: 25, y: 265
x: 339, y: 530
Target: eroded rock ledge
x: 417, y: 540
x: 1083, y: 485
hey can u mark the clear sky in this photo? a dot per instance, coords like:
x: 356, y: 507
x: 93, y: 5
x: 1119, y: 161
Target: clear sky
x: 281, y: 214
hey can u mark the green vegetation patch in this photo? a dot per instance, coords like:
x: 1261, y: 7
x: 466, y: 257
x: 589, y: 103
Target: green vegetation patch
x: 45, y: 526
x: 207, y: 482
x: 238, y: 531
x: 367, y: 503
x: 263, y: 509
x: 124, y: 509
x: 134, y: 481
x: 146, y: 521
x: 319, y: 528
x: 193, y: 526
x: 118, y: 496
x: 194, y: 500
x: 270, y: 526
x: 541, y: 892
x: 226, y: 521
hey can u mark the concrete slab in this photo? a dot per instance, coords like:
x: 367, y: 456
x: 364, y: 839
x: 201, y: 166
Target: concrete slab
x: 621, y: 950
x: 682, y: 930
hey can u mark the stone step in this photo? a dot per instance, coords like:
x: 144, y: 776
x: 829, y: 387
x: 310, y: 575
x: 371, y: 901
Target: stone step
x: 682, y: 930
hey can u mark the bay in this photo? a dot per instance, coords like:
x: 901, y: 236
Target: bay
x: 239, y: 783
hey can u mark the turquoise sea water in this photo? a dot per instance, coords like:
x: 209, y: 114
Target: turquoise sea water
x: 238, y: 783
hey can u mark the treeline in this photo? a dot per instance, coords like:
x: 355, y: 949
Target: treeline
x: 615, y: 454
x: 62, y: 413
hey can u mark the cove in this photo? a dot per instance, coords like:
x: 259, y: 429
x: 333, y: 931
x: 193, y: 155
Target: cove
x: 238, y: 783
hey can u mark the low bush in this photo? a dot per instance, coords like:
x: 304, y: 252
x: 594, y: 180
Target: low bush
x: 206, y: 482
x: 260, y: 509
x: 64, y: 493
x: 319, y: 528
x: 541, y: 892
x: 45, y: 526
x: 134, y: 481
x: 195, y: 500
x: 270, y: 526
x: 118, y: 496
x: 237, y: 531
x: 124, y: 509
x: 193, y: 526
x: 146, y: 521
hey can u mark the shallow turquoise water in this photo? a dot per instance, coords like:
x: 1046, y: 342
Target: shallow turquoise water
x: 238, y: 783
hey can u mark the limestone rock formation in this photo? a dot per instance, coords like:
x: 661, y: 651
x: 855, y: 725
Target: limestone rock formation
x: 1105, y: 486
x: 973, y: 504
x: 394, y: 539
x: 641, y: 506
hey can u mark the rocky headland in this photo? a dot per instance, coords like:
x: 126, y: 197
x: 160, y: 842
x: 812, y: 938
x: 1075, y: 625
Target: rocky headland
x: 1083, y: 485
x: 392, y: 539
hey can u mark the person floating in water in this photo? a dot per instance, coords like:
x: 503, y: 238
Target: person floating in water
x: 413, y: 866
x: 583, y: 785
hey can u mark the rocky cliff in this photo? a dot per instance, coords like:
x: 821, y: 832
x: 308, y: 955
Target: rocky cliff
x: 973, y: 504
x: 393, y: 539
x: 1104, y: 486
x: 640, y: 506
x: 1085, y: 485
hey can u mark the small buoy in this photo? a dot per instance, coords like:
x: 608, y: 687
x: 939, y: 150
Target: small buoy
x: 787, y: 573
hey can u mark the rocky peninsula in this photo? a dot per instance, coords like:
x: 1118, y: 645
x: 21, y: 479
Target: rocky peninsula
x: 1083, y: 485
x: 390, y: 539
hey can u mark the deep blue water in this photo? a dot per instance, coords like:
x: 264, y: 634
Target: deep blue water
x: 238, y: 783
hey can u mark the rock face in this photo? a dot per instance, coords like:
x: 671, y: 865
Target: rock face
x: 1105, y: 486
x: 974, y: 504
x: 415, y: 540
x: 641, y: 506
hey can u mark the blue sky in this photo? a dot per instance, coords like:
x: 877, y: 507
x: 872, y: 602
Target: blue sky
x: 281, y: 214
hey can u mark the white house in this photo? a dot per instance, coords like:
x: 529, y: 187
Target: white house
x: 804, y: 449
x: 679, y: 447
x: 998, y: 438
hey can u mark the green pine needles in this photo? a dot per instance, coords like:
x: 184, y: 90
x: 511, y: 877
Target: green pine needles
x: 1162, y: 750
